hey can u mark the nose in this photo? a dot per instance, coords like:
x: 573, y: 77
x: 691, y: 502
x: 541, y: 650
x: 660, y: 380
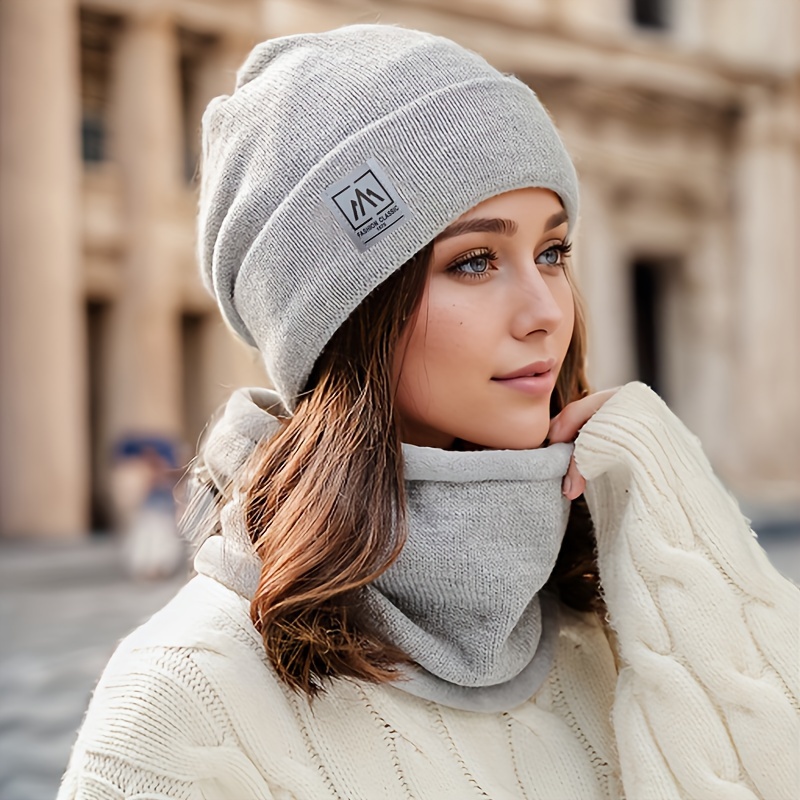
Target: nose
x: 534, y: 306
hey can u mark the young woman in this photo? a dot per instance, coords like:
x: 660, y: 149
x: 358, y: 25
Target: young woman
x: 411, y: 583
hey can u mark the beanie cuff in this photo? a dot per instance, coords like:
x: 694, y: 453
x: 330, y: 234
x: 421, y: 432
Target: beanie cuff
x: 292, y: 318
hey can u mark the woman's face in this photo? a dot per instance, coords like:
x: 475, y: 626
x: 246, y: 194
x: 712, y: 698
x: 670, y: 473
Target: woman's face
x: 497, y: 308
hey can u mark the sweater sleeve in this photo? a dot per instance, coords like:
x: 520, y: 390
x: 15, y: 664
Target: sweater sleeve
x: 706, y: 702
x: 156, y: 729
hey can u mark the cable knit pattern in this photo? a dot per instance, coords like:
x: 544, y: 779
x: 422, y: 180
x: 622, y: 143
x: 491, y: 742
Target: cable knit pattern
x: 157, y: 729
x: 706, y: 703
x: 697, y: 698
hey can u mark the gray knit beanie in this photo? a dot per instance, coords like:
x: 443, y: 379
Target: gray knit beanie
x: 339, y: 156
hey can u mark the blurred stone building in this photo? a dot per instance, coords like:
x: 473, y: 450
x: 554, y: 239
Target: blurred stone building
x: 684, y: 120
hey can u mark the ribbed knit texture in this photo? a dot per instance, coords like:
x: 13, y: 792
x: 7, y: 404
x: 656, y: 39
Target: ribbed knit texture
x: 486, y: 546
x: 701, y: 702
x: 448, y: 129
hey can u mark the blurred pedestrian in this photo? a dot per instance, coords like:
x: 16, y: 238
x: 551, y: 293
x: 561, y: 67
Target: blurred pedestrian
x: 143, y: 478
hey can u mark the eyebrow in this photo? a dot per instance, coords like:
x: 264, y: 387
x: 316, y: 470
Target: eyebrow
x: 559, y: 218
x: 506, y: 227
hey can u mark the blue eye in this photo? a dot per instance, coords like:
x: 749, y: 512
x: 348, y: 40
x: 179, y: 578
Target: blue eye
x: 473, y: 265
x: 554, y: 256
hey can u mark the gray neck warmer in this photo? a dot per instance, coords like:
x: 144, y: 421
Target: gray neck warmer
x: 463, y: 598
x: 484, y: 530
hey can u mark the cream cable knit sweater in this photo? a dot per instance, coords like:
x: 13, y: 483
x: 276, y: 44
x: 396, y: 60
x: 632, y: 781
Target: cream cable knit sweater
x: 700, y: 700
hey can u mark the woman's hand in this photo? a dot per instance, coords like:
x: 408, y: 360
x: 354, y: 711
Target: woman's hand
x: 564, y: 427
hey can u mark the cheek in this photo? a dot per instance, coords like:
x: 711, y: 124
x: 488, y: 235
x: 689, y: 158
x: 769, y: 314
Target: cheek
x: 434, y: 353
x: 456, y: 318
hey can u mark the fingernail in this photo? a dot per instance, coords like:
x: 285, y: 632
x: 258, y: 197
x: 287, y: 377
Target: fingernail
x: 567, y: 486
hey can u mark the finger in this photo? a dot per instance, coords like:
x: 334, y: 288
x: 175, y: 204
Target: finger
x: 573, y: 416
x: 565, y: 425
x: 568, y: 420
x: 574, y: 483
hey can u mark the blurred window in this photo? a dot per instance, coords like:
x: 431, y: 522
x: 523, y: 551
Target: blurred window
x: 97, y: 40
x: 650, y: 13
x: 195, y: 330
x: 648, y: 319
x: 93, y: 137
x: 98, y: 322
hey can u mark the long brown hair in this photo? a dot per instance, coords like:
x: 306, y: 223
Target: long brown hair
x: 575, y: 578
x: 325, y: 498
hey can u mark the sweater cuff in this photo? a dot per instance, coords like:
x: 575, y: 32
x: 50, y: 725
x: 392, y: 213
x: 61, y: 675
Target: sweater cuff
x: 639, y: 458
x: 635, y: 426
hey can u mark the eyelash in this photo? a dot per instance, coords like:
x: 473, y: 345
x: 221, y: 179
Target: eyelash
x: 562, y: 248
x: 473, y: 255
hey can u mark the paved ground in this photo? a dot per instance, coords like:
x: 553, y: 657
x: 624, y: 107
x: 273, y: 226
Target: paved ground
x: 62, y: 608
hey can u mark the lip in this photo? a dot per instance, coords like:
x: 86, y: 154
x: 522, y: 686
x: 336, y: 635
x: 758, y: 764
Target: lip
x: 538, y: 368
x: 534, y: 379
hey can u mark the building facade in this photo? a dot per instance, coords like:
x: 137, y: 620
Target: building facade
x: 684, y: 121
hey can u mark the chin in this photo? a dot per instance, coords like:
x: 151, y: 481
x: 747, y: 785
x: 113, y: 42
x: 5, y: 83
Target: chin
x: 529, y: 443
x: 510, y: 437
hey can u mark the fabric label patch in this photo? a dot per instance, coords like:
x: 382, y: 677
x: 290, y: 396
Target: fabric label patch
x: 366, y: 204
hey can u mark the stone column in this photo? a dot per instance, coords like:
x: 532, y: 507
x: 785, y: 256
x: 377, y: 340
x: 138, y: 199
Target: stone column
x: 44, y: 454
x: 602, y: 278
x: 701, y: 340
x: 767, y: 255
x: 145, y: 382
